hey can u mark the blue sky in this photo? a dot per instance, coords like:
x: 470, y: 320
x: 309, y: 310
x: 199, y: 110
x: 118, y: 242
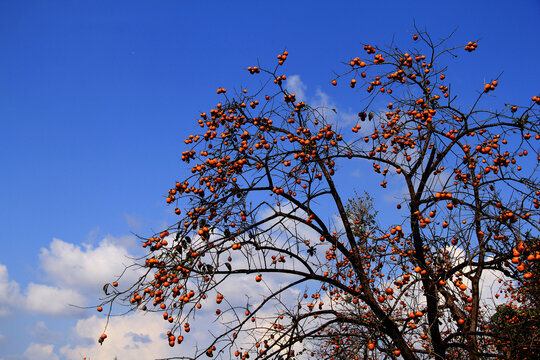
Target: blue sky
x: 97, y: 97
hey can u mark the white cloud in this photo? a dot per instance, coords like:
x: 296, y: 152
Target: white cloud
x: 141, y: 335
x: 73, y: 270
x: 134, y: 336
x: 10, y: 296
x: 69, y: 272
x: 3, y: 339
x: 84, y: 267
x: 52, y: 300
x: 37, y: 298
x: 41, y: 352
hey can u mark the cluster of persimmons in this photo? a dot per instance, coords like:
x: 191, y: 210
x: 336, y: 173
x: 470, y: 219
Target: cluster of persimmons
x: 261, y: 199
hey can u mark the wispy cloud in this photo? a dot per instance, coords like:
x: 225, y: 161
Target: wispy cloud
x: 132, y: 221
x: 40, y: 351
x: 43, y: 334
x: 325, y: 105
x: 296, y: 86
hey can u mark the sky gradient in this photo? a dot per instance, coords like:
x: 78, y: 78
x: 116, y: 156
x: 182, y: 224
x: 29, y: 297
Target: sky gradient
x: 97, y: 97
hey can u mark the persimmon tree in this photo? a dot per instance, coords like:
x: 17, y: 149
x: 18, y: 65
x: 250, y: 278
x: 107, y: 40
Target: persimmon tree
x: 517, y: 322
x: 262, y: 204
